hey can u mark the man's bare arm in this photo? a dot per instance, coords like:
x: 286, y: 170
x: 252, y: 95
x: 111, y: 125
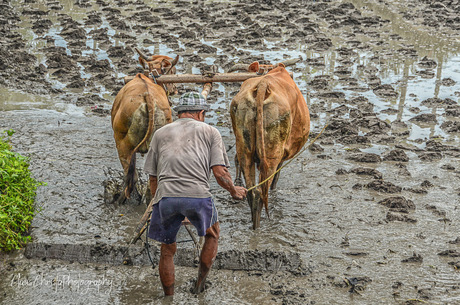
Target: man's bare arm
x: 153, y: 185
x: 224, y: 179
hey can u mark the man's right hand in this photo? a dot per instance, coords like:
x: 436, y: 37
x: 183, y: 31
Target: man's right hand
x: 239, y: 193
x: 225, y: 180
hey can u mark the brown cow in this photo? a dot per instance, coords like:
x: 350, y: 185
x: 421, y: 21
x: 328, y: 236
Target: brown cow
x: 271, y: 122
x: 140, y: 108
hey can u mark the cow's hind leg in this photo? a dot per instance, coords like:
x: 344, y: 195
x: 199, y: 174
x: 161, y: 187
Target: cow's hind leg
x: 238, y: 180
x: 277, y: 176
x: 124, y: 154
x: 256, y: 205
x: 147, y: 195
x: 247, y: 166
x: 137, y: 186
x: 267, y: 169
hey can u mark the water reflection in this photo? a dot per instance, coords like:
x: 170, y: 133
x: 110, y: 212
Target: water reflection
x: 395, y: 65
x: 349, y: 64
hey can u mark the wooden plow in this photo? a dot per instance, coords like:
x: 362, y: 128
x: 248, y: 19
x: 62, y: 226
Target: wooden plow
x: 144, y: 221
x: 207, y: 79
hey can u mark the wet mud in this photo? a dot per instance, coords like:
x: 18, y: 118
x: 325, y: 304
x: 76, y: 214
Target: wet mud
x: 367, y: 215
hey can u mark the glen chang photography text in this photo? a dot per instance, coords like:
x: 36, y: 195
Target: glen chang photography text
x: 72, y: 283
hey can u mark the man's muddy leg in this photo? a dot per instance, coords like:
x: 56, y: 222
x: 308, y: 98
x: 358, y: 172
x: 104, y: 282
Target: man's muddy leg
x: 208, y: 255
x: 166, y: 267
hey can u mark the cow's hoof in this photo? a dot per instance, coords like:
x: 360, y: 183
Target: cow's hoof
x: 134, y: 197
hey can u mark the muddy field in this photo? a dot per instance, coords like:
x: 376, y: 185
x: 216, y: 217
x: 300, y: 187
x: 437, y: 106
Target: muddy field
x: 367, y: 215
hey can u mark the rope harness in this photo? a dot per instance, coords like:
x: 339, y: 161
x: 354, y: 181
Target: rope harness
x: 154, y: 77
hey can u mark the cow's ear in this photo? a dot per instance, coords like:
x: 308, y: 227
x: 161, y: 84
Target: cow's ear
x: 281, y: 65
x: 165, y: 63
x: 254, y: 67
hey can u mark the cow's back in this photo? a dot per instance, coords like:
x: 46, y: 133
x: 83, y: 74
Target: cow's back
x: 284, y: 111
x: 286, y: 88
x: 130, y: 111
x: 139, y: 109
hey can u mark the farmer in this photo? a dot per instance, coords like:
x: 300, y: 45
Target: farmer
x: 179, y: 163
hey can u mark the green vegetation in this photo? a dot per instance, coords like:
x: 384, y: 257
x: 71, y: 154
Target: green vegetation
x: 17, y: 194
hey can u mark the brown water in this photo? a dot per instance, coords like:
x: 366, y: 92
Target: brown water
x: 331, y: 220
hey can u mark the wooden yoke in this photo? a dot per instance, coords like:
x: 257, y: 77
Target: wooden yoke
x: 198, y: 78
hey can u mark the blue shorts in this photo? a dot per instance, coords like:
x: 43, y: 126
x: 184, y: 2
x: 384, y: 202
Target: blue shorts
x: 169, y: 212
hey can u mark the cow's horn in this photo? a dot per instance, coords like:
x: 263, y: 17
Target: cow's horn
x: 141, y: 54
x: 238, y: 67
x: 290, y: 62
x: 173, y: 63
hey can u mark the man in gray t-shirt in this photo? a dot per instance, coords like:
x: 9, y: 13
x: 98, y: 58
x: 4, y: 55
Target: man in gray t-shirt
x: 179, y: 163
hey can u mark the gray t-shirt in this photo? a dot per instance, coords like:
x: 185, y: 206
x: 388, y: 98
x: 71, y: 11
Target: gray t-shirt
x: 181, y: 155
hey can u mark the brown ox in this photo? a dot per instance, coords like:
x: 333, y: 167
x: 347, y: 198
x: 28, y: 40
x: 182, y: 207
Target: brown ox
x: 271, y: 122
x: 140, y: 108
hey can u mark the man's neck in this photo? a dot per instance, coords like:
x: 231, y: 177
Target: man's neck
x: 188, y: 115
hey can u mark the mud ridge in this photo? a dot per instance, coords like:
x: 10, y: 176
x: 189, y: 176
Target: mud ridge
x: 101, y: 253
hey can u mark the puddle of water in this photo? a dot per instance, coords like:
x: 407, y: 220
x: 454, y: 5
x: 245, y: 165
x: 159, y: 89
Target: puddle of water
x: 13, y: 100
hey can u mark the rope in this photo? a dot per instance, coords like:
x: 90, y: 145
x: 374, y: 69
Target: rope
x: 292, y: 159
x: 163, y: 85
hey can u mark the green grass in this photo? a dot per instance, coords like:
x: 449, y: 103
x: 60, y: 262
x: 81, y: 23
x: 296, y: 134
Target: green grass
x: 17, y: 195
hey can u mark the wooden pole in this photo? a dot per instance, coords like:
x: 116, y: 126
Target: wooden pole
x: 198, y: 78
x: 206, y: 89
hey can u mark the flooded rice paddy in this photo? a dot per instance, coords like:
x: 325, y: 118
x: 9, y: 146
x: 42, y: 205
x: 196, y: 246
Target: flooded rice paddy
x: 370, y: 210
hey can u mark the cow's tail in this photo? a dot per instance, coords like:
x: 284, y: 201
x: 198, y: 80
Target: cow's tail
x: 130, y: 177
x: 263, y: 91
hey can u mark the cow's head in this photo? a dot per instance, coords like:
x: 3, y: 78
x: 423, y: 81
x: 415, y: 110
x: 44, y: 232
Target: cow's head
x: 159, y: 65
